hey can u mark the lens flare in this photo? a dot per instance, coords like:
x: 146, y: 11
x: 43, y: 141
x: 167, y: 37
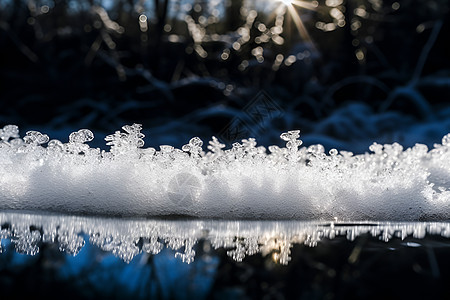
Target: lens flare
x: 291, y: 6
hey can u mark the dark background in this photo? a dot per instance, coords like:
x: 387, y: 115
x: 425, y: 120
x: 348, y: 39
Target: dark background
x: 66, y: 65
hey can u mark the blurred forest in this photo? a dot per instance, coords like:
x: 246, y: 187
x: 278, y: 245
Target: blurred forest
x: 342, y: 71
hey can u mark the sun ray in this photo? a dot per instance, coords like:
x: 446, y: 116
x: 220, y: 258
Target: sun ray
x: 277, y: 11
x: 299, y: 24
x: 291, y: 9
x: 304, y: 4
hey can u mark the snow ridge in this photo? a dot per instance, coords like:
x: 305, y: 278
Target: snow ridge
x: 244, y: 182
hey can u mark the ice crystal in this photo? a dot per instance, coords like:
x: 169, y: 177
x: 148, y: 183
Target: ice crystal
x: 446, y: 140
x: 35, y: 138
x: 292, y: 142
x: 215, y: 146
x: 81, y: 136
x: 123, y: 143
x: 194, y: 147
x: 77, y: 141
x: 8, y: 132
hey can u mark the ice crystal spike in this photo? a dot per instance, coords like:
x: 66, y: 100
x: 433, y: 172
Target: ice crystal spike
x: 333, y: 152
x: 81, y: 136
x: 135, y: 136
x: 8, y: 132
x: 290, y: 135
x: 76, y: 141
x: 292, y: 140
x: 194, y: 147
x: 35, y: 138
x: 446, y: 140
x: 115, y: 140
x: 249, y: 146
x: 123, y: 143
x: 376, y: 148
x: 237, y: 150
x: 215, y: 145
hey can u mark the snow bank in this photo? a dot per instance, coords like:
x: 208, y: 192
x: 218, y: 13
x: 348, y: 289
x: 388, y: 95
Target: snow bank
x: 244, y: 182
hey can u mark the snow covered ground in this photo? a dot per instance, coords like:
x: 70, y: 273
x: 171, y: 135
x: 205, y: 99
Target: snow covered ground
x: 245, y: 182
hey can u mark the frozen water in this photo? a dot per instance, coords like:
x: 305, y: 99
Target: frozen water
x: 245, y: 182
x: 128, y: 238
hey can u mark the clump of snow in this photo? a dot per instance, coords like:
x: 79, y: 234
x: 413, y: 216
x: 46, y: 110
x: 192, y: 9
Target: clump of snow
x: 244, y: 182
x: 128, y: 238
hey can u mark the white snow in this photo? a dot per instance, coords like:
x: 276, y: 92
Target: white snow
x: 244, y: 182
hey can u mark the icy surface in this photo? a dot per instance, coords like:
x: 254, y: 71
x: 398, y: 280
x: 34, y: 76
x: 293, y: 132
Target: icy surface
x: 128, y: 238
x: 206, y: 180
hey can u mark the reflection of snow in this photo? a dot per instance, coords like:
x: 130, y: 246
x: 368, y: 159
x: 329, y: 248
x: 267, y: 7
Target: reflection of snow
x: 128, y: 238
x: 246, y: 181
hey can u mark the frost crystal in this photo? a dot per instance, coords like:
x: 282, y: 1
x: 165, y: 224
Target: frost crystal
x: 333, y: 152
x: 81, y: 136
x: 194, y: 147
x: 446, y: 140
x: 128, y: 142
x: 215, y: 146
x: 250, y: 146
x: 35, y: 138
x: 8, y: 132
x: 76, y: 141
x: 293, y: 141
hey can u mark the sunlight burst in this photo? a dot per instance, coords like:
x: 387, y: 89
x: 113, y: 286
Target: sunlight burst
x: 290, y: 4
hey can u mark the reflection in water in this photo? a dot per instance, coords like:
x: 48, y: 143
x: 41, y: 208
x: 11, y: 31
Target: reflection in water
x: 126, y: 238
